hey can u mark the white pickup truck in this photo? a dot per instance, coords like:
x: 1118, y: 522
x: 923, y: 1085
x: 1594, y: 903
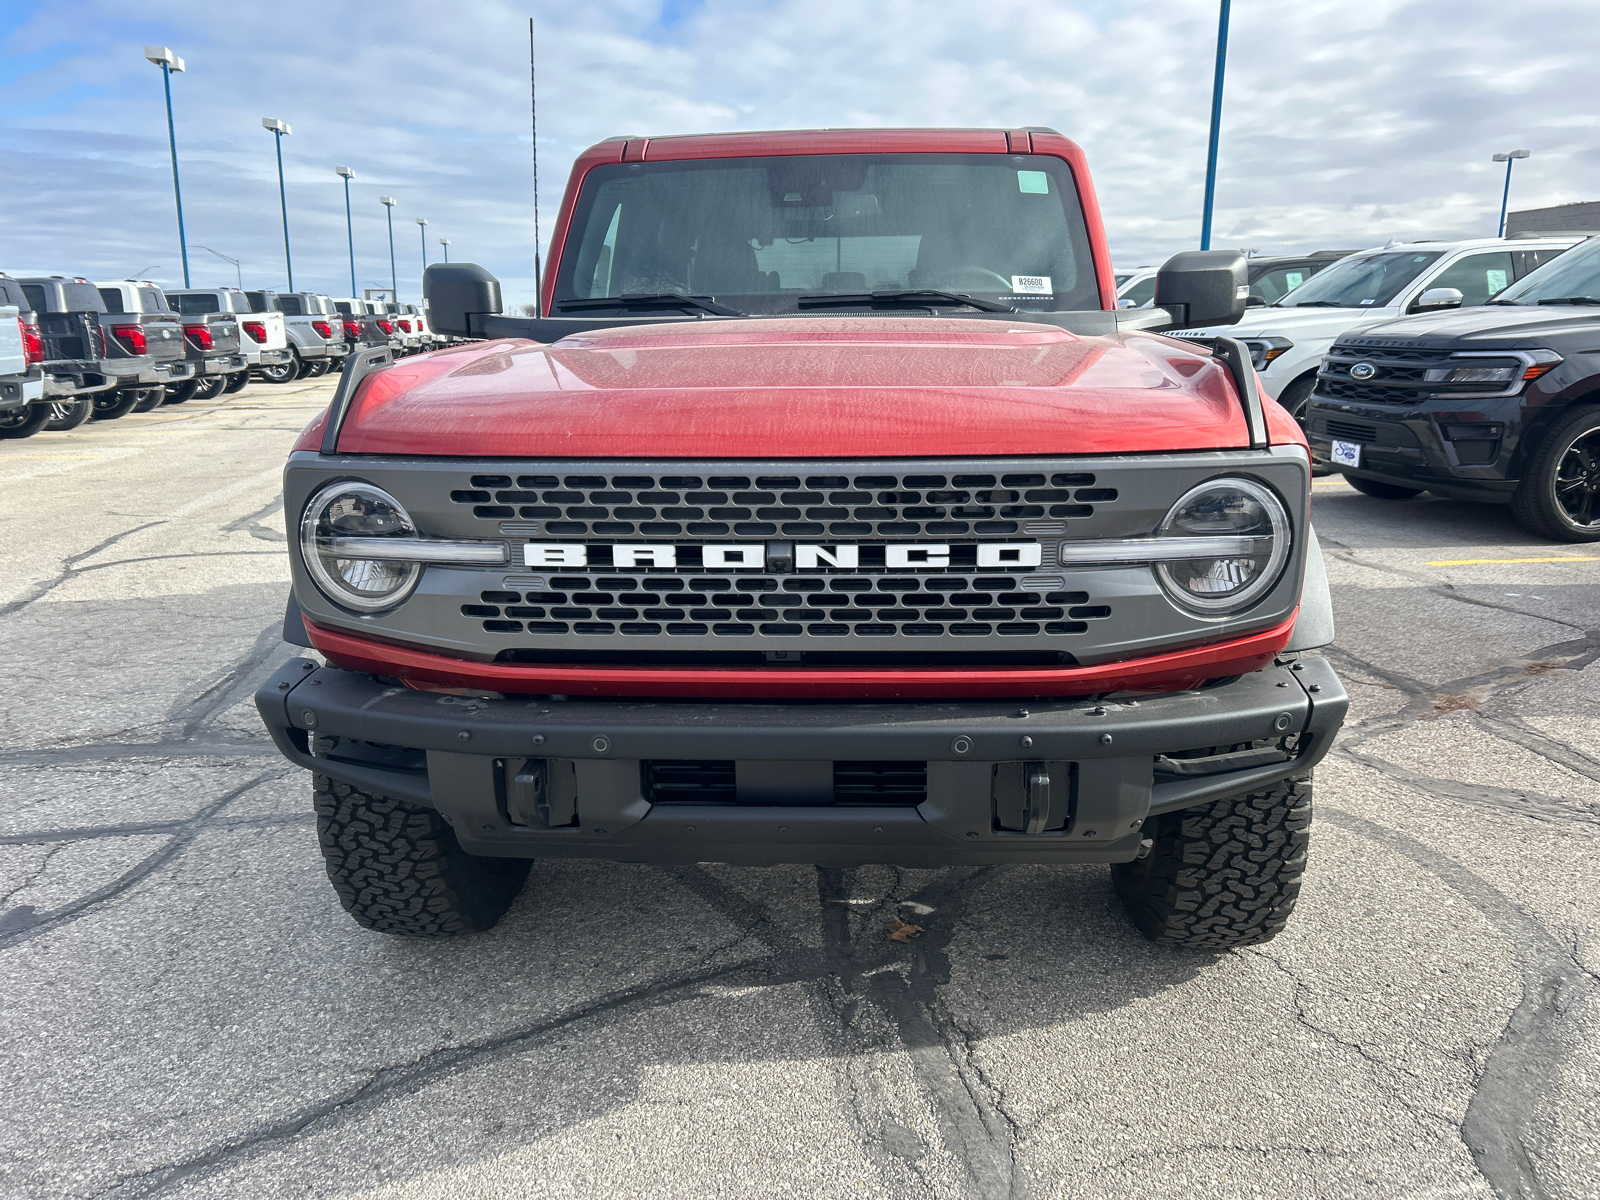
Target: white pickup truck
x: 1288, y: 339
x: 263, y: 338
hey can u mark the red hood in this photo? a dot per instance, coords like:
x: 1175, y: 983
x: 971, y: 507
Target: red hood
x: 809, y: 387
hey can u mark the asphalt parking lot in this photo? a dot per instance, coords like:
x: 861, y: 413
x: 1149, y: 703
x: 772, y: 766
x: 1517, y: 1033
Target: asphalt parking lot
x: 187, y: 1012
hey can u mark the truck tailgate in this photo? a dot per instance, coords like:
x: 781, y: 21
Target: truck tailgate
x: 12, y: 361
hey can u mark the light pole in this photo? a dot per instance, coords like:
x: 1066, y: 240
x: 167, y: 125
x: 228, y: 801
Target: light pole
x: 1505, y: 196
x: 238, y: 274
x: 422, y: 228
x: 445, y: 242
x: 170, y: 62
x: 388, y: 206
x: 349, y: 223
x: 1216, y: 124
x: 278, y: 129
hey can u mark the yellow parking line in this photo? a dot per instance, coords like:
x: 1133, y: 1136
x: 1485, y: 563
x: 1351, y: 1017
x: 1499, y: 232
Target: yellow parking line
x: 1476, y: 562
x: 1330, y: 483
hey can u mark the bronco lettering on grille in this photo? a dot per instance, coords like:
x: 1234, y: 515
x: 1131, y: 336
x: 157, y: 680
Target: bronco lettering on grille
x: 902, y: 555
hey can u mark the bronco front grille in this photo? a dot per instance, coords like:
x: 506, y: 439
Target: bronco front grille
x: 746, y: 605
x: 912, y: 504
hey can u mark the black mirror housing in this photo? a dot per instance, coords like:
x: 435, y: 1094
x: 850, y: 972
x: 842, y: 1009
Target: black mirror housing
x: 1203, y: 287
x: 455, y: 294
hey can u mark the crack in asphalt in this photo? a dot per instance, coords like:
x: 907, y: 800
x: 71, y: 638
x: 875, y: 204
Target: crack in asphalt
x: 70, y: 569
x: 24, y: 923
x: 93, y: 833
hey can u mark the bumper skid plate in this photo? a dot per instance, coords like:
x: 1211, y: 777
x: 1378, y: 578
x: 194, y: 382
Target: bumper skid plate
x: 755, y: 784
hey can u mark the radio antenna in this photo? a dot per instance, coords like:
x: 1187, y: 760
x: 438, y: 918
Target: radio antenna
x: 533, y: 103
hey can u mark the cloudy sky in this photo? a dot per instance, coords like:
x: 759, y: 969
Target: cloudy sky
x: 1344, y: 125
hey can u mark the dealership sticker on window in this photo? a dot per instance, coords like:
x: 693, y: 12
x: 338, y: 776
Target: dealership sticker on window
x: 1030, y: 285
x: 1035, y: 183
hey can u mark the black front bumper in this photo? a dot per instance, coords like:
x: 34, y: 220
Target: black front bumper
x: 1083, y: 776
x: 1453, y: 447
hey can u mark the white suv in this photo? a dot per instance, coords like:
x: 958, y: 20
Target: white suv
x: 1288, y: 339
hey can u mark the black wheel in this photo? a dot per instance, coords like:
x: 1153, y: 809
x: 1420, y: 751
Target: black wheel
x: 1296, y: 398
x: 281, y: 372
x: 1224, y: 875
x: 1377, y: 488
x: 149, y: 399
x: 26, y: 420
x: 398, y: 868
x: 108, y: 406
x: 316, y: 367
x: 1559, y: 496
x: 69, y: 414
x: 237, y: 382
x: 306, y: 367
x: 209, y: 387
x: 177, y: 393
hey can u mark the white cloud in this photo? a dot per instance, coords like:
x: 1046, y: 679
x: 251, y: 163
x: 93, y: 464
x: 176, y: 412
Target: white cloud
x: 1343, y: 125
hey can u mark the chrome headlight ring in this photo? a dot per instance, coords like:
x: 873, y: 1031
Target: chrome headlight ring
x: 1222, y: 585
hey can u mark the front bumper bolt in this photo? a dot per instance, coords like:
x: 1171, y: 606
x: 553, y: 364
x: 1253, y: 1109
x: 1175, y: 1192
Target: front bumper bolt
x: 1105, y: 739
x: 538, y: 739
x: 1026, y: 742
x: 464, y: 736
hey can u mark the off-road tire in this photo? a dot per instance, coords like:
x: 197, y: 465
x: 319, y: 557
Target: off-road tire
x: 108, y: 406
x: 398, y: 868
x: 1223, y: 875
x: 281, y: 372
x: 177, y: 393
x: 69, y: 414
x: 1534, y: 504
x: 1380, y: 490
x: 150, y: 399
x: 25, y: 421
x: 237, y: 382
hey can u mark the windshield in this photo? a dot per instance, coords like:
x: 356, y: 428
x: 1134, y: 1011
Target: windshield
x: 756, y: 234
x: 1575, y: 273
x: 1366, y: 281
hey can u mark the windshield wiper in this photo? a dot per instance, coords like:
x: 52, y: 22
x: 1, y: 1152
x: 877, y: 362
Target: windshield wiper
x: 651, y: 300
x: 1572, y: 300
x: 1324, y: 304
x: 915, y: 298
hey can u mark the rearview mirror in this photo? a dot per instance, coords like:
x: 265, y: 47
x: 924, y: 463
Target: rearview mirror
x: 1203, y: 287
x: 1437, y: 298
x: 457, y: 292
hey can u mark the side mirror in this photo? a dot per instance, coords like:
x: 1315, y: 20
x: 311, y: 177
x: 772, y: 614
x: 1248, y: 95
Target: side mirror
x: 1125, y: 304
x: 1203, y: 287
x: 457, y: 292
x: 1437, y: 298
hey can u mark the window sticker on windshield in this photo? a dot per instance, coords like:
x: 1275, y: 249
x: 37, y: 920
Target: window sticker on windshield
x: 1495, y: 279
x: 1030, y: 285
x: 1367, y: 301
x: 1036, y: 183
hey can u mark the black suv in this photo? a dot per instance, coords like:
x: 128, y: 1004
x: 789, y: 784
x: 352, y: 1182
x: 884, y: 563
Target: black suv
x: 1499, y: 402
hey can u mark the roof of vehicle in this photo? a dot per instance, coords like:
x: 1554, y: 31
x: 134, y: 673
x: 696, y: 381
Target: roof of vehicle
x: 1564, y: 239
x: 742, y: 143
x: 1309, y: 256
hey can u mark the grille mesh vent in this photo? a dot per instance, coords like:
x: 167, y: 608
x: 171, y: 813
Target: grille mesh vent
x: 787, y: 606
x: 713, y: 781
x: 744, y: 506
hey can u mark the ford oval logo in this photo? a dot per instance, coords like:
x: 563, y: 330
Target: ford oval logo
x: 1363, y: 371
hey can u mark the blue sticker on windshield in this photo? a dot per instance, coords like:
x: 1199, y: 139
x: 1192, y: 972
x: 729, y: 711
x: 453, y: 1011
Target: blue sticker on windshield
x: 1035, y: 182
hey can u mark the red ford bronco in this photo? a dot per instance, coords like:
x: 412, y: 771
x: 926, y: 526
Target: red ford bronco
x: 831, y: 513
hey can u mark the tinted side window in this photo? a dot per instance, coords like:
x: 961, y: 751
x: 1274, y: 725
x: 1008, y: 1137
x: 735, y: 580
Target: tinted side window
x: 291, y: 305
x: 153, y: 300
x: 113, y: 299
x: 1272, y: 286
x: 1528, y: 261
x: 344, y: 307
x: 1477, y: 277
x: 35, y: 295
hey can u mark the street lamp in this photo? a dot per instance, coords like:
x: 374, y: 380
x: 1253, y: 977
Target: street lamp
x: 349, y: 223
x: 170, y: 62
x: 422, y: 228
x: 394, y: 284
x: 238, y: 274
x: 445, y: 242
x: 278, y: 129
x: 1505, y: 196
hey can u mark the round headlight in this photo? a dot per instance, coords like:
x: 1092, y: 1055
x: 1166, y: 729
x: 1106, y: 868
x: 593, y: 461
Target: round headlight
x: 357, y: 510
x: 1249, y: 519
